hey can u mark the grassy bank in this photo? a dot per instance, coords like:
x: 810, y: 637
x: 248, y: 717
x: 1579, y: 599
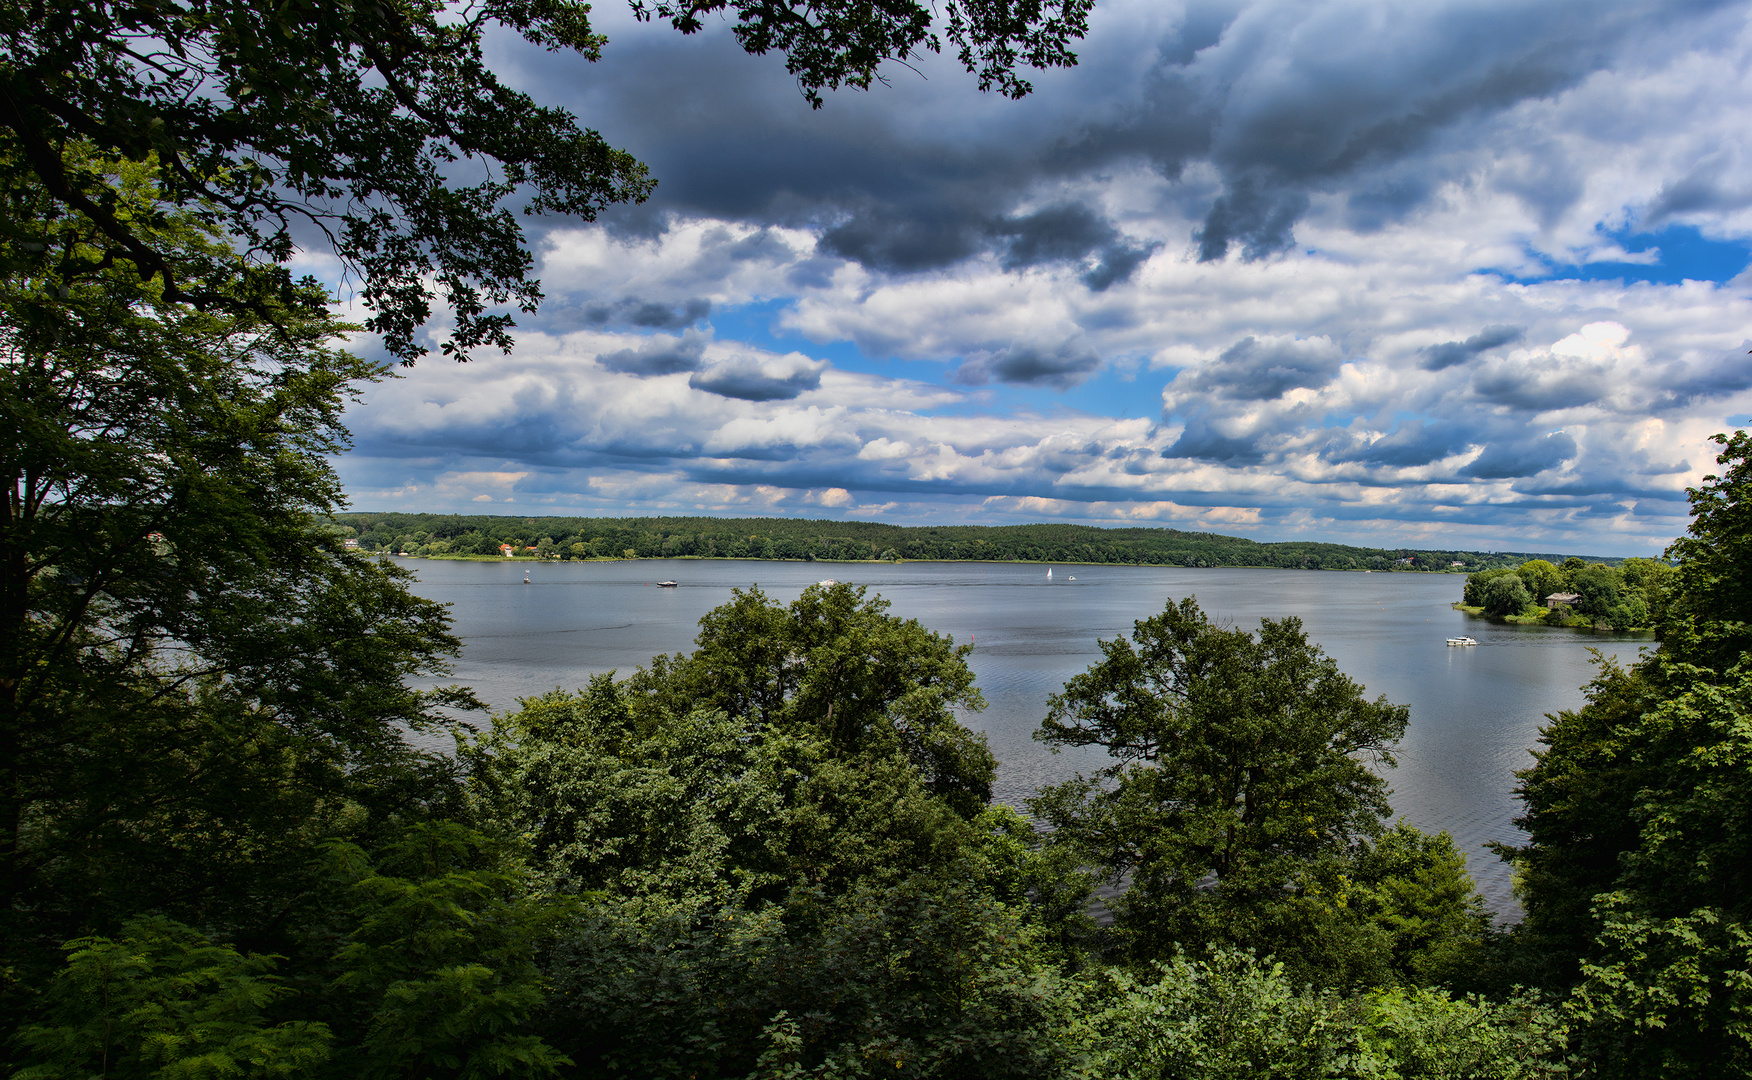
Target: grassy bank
x: 1548, y: 617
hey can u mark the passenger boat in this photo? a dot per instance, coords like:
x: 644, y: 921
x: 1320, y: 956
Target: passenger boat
x: 1462, y: 641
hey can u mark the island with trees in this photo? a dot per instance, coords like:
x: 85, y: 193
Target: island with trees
x: 1632, y: 595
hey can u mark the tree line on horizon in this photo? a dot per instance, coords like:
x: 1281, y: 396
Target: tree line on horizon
x: 824, y: 539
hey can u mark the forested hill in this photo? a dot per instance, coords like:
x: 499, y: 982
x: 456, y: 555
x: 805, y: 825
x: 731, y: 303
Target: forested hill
x: 792, y: 538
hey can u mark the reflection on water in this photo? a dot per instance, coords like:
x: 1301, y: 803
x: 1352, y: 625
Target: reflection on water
x: 1475, y: 711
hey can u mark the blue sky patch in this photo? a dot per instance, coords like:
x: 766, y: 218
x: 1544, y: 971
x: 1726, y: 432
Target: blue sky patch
x: 1685, y: 255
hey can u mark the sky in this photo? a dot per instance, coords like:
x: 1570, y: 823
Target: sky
x: 1449, y: 274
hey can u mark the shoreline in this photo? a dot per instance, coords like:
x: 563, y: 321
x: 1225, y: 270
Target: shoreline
x: 889, y: 562
x: 1575, y: 622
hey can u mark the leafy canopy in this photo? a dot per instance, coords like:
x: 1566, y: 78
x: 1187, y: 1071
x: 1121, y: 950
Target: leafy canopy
x: 162, y: 1000
x: 700, y: 809
x: 377, y: 131
x: 196, y: 682
x: 838, y: 665
x: 1241, y: 764
x: 1637, y: 872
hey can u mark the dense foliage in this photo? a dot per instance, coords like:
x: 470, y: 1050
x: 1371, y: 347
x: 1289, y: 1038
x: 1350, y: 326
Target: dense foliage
x: 197, y: 684
x: 791, y: 538
x: 1242, y: 804
x: 1637, y: 874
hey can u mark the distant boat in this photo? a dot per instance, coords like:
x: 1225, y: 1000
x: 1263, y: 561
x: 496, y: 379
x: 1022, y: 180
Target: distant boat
x: 667, y: 584
x: 1049, y: 573
x: 1462, y: 641
x: 827, y: 583
x: 526, y: 577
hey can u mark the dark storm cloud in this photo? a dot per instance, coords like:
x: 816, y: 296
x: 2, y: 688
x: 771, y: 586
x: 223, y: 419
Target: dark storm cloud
x: 1118, y: 263
x: 1709, y: 188
x: 648, y: 315
x: 1251, y: 370
x: 1254, y: 213
x: 1449, y: 353
x: 1063, y: 233
x: 1071, y: 233
x: 1204, y: 443
x: 1284, y: 100
x: 748, y: 380
x: 1060, y: 367
x: 1383, y: 200
x: 910, y: 238
x: 1509, y: 459
x: 659, y: 354
x: 904, y: 240
x: 1411, y: 444
x: 1538, y: 386
x: 1593, y: 484
x: 1680, y: 386
x: 560, y: 315
x: 1296, y: 115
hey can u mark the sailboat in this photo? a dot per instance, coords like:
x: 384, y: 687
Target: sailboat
x: 1049, y: 573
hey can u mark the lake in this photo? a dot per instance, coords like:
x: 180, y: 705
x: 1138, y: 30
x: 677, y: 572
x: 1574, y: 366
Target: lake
x: 1475, y: 711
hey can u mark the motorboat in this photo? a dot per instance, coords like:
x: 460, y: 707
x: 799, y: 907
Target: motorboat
x: 1462, y: 641
x: 667, y: 584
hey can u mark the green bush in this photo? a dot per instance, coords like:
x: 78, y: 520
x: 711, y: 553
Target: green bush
x: 1506, y: 595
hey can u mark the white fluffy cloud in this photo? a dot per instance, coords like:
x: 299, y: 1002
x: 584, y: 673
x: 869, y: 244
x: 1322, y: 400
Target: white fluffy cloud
x: 1253, y: 268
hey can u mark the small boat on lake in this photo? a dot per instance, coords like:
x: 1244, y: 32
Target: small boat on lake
x: 667, y: 584
x: 1462, y: 641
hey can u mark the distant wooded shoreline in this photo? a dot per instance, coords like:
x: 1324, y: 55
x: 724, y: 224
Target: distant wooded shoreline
x: 867, y: 541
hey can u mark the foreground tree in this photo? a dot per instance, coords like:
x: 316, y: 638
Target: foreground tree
x: 1241, y: 777
x: 197, y: 685
x: 1638, y: 866
x: 162, y: 999
x: 697, y: 809
x: 351, y: 123
x: 791, y: 864
x: 837, y: 665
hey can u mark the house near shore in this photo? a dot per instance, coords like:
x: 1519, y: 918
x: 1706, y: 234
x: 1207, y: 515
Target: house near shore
x: 507, y: 550
x: 1561, y: 600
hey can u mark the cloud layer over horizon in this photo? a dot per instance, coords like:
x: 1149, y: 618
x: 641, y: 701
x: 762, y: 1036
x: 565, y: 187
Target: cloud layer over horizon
x: 1453, y: 274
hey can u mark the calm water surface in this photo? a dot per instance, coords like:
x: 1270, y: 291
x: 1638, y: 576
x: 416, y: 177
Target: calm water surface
x: 1475, y: 712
